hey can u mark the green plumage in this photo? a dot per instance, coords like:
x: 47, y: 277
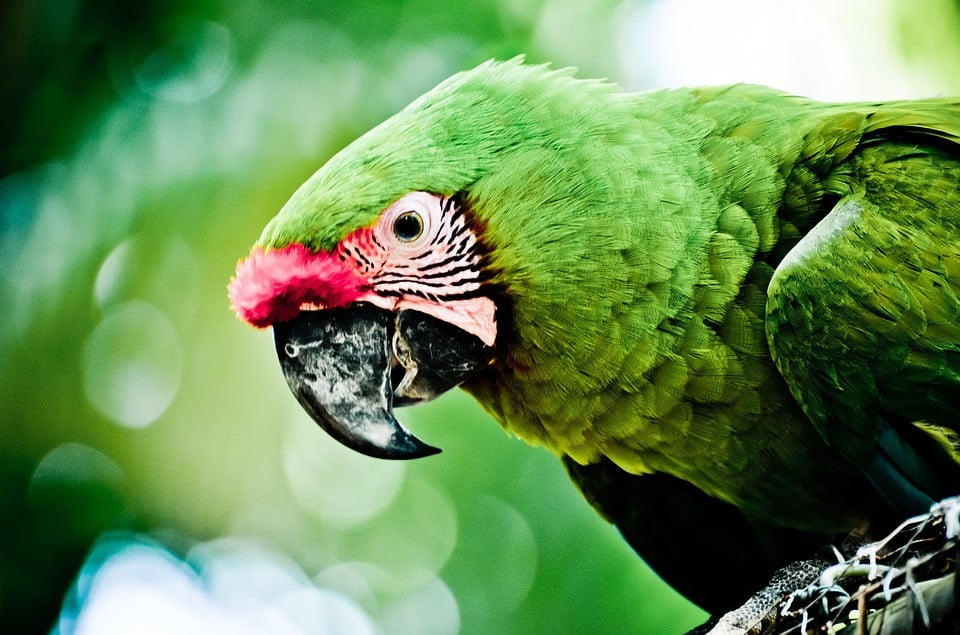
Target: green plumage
x: 658, y: 309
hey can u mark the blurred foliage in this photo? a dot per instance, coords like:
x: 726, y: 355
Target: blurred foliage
x: 145, y: 145
x: 929, y: 40
x: 57, y: 58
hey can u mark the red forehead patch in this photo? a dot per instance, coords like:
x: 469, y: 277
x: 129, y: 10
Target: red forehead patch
x: 271, y: 286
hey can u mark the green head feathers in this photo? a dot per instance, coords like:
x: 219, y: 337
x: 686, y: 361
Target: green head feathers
x: 470, y: 126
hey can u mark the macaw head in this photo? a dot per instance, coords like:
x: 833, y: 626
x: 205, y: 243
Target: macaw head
x: 391, y: 274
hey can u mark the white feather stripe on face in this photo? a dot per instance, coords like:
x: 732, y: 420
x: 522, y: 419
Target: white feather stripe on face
x: 424, y: 255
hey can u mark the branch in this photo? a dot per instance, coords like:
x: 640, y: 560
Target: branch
x: 905, y: 583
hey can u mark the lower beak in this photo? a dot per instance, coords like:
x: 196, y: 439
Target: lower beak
x: 341, y: 365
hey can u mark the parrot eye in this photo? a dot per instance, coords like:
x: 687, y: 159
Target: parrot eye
x: 408, y: 226
x: 410, y: 223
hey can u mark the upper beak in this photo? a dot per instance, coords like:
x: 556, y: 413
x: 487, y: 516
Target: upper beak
x: 348, y: 367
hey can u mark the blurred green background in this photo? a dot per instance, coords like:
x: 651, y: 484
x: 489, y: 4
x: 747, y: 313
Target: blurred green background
x: 146, y: 432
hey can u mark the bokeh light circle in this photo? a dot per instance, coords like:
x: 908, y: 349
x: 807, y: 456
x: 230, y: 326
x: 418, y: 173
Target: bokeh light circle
x: 336, y: 485
x: 430, y: 610
x: 75, y: 463
x: 413, y: 539
x: 164, y: 272
x: 132, y: 364
x: 507, y: 565
x: 194, y: 64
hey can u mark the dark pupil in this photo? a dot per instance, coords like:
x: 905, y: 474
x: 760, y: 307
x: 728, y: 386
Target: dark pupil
x: 408, y: 226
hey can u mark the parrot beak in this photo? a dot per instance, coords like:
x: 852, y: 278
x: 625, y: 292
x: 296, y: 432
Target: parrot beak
x: 349, y: 366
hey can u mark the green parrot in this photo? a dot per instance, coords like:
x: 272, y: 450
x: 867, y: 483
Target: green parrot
x: 730, y: 311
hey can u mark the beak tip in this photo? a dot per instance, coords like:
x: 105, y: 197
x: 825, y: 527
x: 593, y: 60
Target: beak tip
x: 429, y: 450
x: 400, y: 444
x: 422, y: 452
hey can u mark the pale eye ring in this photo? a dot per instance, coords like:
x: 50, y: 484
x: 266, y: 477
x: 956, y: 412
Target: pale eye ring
x: 408, y: 226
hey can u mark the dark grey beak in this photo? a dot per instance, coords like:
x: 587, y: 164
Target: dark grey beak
x: 348, y: 367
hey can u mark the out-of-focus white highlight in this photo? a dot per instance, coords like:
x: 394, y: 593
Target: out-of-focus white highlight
x: 230, y: 586
x: 832, y: 51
